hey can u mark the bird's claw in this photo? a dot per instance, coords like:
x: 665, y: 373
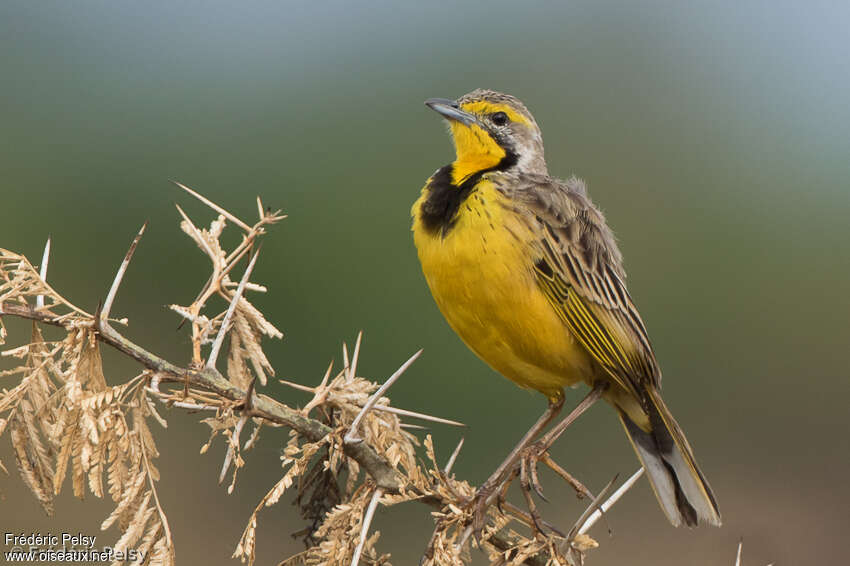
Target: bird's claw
x: 528, y: 469
x: 529, y: 481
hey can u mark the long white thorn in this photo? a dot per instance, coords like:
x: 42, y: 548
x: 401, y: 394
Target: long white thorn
x: 110, y: 297
x: 297, y: 386
x: 45, y: 258
x: 414, y: 414
x: 740, y: 550
x: 214, y: 206
x: 364, y: 529
x: 351, y: 436
x: 450, y: 464
x: 589, y: 522
x: 346, y: 365
x: 219, y: 339
x: 355, y: 356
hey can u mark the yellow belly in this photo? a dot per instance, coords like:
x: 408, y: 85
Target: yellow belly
x: 481, y: 276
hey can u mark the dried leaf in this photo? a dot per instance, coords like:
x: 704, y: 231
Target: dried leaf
x: 29, y: 467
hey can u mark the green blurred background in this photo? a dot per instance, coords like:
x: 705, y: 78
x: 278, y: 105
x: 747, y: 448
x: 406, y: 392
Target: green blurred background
x: 715, y: 136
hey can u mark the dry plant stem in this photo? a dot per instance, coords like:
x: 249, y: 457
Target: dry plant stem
x: 222, y: 331
x: 220, y: 267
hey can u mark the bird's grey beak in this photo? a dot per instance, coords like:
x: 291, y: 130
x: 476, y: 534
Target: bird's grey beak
x: 450, y: 110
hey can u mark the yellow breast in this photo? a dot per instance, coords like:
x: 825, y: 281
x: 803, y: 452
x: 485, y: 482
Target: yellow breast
x: 481, y: 275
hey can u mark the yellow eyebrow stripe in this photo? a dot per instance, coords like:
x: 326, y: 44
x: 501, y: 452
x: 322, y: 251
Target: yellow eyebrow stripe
x: 485, y: 107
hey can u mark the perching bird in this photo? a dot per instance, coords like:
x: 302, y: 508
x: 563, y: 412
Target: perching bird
x: 527, y: 272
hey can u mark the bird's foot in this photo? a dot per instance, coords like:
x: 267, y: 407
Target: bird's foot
x: 525, y: 469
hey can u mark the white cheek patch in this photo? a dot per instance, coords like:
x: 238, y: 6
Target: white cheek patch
x: 529, y: 152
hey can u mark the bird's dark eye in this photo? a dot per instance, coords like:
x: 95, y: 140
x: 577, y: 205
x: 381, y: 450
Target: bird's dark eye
x: 499, y: 118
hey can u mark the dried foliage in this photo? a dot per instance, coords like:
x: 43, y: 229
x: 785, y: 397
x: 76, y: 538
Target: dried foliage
x: 65, y: 421
x: 348, y: 450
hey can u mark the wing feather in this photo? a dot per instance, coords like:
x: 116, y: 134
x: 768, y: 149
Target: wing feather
x: 579, y: 268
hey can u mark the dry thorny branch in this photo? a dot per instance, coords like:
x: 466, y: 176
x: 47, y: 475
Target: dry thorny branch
x: 348, y: 449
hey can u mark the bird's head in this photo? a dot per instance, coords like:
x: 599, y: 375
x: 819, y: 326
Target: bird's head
x: 491, y: 131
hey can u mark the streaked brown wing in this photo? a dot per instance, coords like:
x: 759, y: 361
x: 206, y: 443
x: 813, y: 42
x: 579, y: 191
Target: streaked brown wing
x: 578, y: 267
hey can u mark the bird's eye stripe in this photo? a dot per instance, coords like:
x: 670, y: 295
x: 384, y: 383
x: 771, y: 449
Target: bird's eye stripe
x: 487, y: 109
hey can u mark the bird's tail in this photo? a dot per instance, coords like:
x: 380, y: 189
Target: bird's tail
x: 681, y: 489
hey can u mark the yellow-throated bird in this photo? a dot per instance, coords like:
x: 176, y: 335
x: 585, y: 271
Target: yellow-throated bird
x: 527, y: 272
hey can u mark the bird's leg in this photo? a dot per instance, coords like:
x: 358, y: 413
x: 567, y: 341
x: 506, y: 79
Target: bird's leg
x: 536, y: 451
x: 592, y: 397
x: 490, y: 488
